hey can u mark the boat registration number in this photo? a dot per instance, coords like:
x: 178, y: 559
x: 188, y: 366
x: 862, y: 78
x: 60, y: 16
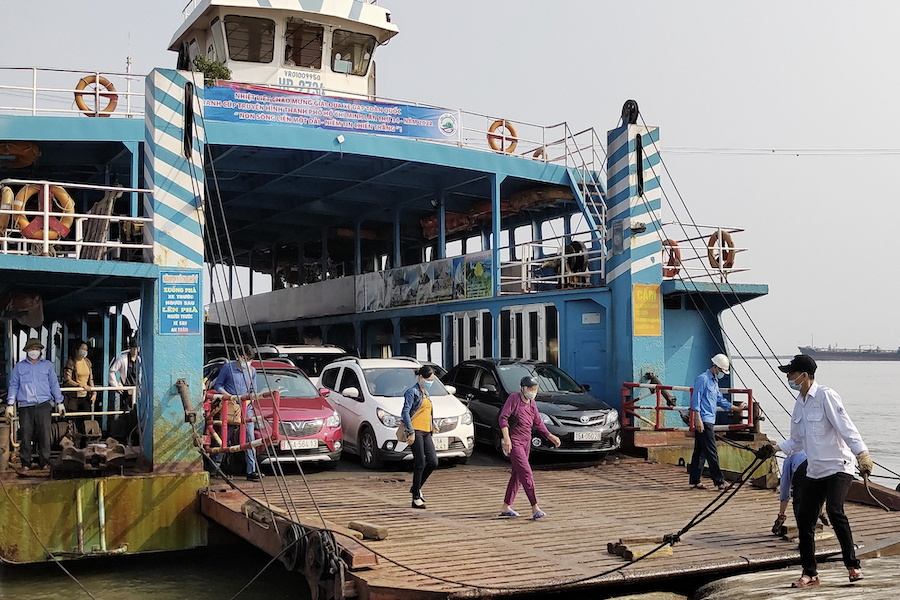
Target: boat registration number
x: 299, y: 444
x: 588, y: 436
x: 441, y: 443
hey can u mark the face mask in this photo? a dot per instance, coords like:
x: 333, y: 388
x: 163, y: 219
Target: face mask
x: 529, y: 395
x: 428, y: 382
x: 794, y: 385
x: 34, y: 354
x: 82, y: 353
x: 720, y: 375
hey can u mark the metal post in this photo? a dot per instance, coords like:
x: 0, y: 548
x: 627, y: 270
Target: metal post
x: 45, y: 198
x: 101, y: 503
x: 79, y: 519
x: 442, y: 225
x: 357, y: 248
x: 33, y: 92
x: 105, y: 401
x: 495, y: 245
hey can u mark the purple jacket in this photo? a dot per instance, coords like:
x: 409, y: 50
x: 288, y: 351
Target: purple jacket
x: 521, y: 418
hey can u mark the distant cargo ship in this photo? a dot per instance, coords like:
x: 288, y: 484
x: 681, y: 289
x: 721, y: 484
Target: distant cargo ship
x: 861, y: 353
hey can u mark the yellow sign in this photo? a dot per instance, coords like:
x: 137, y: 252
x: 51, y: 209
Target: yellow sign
x: 647, y: 309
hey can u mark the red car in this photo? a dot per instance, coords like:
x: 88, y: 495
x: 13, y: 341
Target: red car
x: 303, y: 426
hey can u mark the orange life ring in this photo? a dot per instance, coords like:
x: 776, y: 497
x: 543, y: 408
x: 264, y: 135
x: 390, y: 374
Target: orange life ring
x: 34, y: 229
x: 673, y: 262
x: 512, y: 137
x: 109, y: 94
x: 727, y: 254
x: 22, y: 153
x: 6, y: 203
x: 540, y: 153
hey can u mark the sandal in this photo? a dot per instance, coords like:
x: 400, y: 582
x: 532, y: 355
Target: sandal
x: 699, y: 486
x: 855, y: 574
x: 805, y: 581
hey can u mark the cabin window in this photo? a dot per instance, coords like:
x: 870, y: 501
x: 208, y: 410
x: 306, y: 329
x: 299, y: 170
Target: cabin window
x: 193, y: 50
x: 351, y: 52
x: 218, y: 40
x: 303, y: 45
x: 250, y: 39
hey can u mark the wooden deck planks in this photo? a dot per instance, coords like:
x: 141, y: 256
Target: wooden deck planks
x: 461, y: 538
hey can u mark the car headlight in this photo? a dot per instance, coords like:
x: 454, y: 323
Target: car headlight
x: 612, y: 417
x: 334, y: 420
x: 467, y: 418
x: 546, y: 419
x: 387, y: 419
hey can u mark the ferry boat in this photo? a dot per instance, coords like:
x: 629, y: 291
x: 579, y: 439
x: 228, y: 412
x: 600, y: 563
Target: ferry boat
x: 387, y: 227
x: 862, y: 353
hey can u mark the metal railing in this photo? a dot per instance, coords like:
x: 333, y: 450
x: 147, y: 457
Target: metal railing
x: 693, y: 251
x: 652, y: 417
x: 561, y: 262
x: 12, y: 241
x: 53, y: 92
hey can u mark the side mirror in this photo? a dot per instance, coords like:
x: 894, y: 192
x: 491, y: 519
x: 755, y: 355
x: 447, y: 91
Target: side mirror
x: 451, y: 389
x: 586, y: 386
x: 351, y: 392
x: 324, y: 391
x: 489, y: 389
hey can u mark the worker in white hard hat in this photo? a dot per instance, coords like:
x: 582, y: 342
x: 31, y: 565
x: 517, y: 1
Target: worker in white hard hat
x: 705, y: 398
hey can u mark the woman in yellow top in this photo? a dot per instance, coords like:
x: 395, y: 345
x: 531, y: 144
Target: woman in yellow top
x: 79, y: 373
x: 418, y: 415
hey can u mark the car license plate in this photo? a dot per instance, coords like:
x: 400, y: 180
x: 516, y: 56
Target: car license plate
x: 441, y: 443
x: 299, y: 444
x: 588, y: 436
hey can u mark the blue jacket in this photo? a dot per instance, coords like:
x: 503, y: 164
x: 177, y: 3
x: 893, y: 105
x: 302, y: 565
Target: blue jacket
x: 412, y: 400
x: 33, y: 384
x: 706, y: 396
x: 791, y: 464
x: 232, y: 380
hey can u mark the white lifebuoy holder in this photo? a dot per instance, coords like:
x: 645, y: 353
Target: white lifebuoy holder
x: 109, y: 94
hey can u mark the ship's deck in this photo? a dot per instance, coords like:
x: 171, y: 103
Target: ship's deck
x: 461, y: 538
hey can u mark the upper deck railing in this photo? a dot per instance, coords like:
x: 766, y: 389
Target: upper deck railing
x: 70, y: 93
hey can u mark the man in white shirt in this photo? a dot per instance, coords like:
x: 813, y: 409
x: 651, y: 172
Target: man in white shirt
x: 821, y: 427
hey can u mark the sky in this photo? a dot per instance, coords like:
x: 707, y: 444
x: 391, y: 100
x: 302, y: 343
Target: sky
x: 802, y: 94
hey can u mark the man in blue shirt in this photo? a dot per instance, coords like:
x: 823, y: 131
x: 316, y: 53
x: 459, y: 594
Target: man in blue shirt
x: 236, y: 379
x: 704, y: 400
x: 35, y: 386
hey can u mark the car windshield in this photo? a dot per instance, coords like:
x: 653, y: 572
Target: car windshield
x: 289, y: 384
x: 550, y: 378
x: 394, y: 381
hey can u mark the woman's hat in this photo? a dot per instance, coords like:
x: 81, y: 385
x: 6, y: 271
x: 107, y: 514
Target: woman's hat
x: 33, y: 343
x: 528, y: 381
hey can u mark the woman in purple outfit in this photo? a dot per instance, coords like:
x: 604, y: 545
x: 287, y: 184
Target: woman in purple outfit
x: 517, y: 420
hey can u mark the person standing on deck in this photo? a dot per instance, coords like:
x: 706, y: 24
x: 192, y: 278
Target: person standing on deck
x: 79, y: 373
x: 125, y: 371
x: 33, y: 384
x: 704, y: 400
x: 236, y: 379
x: 821, y: 427
x: 418, y: 417
x: 518, y: 418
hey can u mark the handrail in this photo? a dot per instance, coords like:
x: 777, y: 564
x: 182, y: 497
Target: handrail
x: 630, y: 408
x: 38, y: 99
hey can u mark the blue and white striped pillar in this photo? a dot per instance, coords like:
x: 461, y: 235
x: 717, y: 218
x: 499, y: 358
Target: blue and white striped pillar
x: 633, y: 267
x: 173, y: 171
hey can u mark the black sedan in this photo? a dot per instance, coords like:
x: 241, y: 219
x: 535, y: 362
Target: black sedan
x: 583, y: 423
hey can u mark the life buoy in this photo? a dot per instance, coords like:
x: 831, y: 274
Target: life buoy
x: 6, y: 203
x: 498, y: 142
x: 673, y: 262
x: 108, y: 94
x: 727, y: 254
x: 540, y: 153
x: 35, y: 229
x: 21, y: 154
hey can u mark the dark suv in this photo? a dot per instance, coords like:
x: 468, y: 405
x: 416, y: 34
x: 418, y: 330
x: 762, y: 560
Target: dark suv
x: 582, y: 422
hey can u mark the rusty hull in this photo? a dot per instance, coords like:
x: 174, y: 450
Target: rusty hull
x: 144, y: 513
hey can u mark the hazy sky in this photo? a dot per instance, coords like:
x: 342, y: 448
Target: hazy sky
x: 804, y: 76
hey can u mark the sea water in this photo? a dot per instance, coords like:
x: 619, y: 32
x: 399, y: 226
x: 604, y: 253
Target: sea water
x: 869, y: 391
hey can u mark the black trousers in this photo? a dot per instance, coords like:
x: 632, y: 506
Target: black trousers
x: 424, y: 461
x: 832, y: 491
x: 35, y: 424
x: 705, y: 451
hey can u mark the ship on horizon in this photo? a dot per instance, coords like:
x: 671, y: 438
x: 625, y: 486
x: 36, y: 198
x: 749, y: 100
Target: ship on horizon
x: 861, y: 353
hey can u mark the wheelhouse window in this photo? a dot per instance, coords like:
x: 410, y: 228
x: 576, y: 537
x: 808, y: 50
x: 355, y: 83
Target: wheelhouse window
x: 303, y: 44
x: 250, y: 39
x: 351, y: 52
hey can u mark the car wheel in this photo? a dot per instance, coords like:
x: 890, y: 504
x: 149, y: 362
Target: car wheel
x: 368, y: 450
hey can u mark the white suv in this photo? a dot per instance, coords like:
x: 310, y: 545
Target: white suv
x: 310, y: 359
x: 368, y: 394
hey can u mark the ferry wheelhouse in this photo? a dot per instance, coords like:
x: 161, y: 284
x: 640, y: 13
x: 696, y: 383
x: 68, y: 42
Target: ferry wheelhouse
x: 382, y: 226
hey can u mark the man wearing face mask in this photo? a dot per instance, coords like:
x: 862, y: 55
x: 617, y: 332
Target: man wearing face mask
x: 821, y: 427
x: 34, y: 385
x: 704, y: 400
x: 237, y: 379
x: 126, y: 371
